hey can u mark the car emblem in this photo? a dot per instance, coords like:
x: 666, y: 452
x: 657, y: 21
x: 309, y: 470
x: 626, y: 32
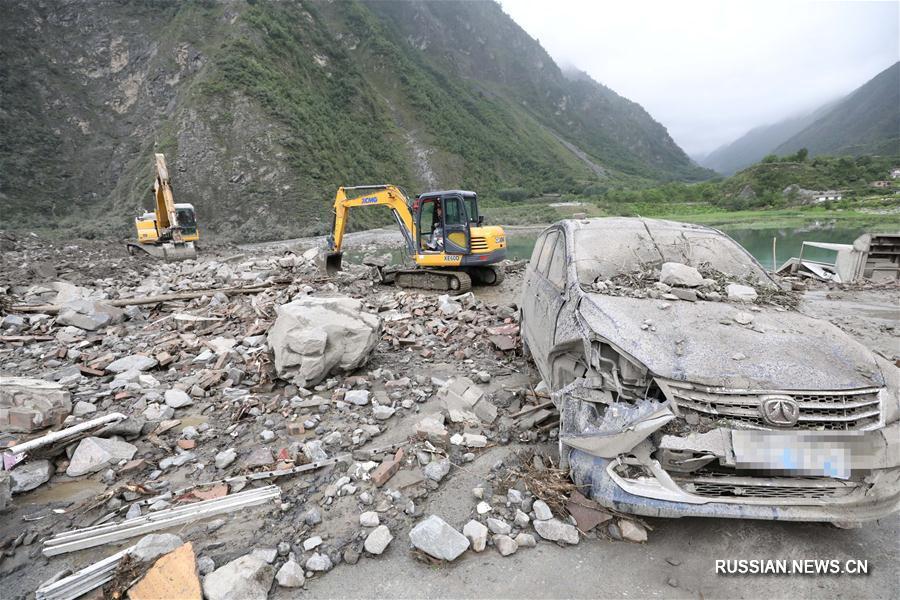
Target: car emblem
x: 781, y: 411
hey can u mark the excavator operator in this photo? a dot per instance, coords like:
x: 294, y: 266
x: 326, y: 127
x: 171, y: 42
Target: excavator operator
x: 437, y: 229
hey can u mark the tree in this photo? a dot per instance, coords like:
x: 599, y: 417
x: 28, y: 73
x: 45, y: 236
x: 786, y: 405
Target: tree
x: 801, y: 155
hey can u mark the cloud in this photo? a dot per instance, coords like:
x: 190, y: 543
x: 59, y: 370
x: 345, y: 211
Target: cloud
x: 712, y: 70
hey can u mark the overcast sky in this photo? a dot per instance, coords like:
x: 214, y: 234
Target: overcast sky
x: 711, y: 70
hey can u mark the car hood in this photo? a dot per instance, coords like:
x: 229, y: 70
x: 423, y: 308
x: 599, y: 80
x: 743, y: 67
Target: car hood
x: 704, y: 343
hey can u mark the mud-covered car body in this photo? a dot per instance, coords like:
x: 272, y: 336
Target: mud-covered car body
x: 673, y: 407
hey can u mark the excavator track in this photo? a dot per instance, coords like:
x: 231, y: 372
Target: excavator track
x: 489, y: 275
x: 457, y: 282
x: 167, y: 252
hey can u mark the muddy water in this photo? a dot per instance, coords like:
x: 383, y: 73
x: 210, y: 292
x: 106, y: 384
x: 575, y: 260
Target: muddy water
x: 757, y: 241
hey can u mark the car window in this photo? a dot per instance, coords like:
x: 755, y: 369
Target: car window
x: 536, y: 253
x: 544, y: 262
x: 557, y: 273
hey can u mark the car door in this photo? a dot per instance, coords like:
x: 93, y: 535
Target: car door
x: 529, y: 315
x: 456, y: 226
x: 547, y: 289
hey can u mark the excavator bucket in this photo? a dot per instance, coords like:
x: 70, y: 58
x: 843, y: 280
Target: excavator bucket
x: 167, y: 252
x: 333, y: 262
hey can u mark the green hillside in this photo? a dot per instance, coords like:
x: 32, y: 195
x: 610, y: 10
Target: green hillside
x: 263, y: 108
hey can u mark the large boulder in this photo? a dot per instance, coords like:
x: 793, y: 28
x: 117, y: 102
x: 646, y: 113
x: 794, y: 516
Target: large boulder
x: 85, y: 314
x: 313, y: 336
x: 678, y: 274
x: 30, y: 404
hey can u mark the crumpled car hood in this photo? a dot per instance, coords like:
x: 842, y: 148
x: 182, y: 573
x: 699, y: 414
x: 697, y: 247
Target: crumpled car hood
x: 697, y: 342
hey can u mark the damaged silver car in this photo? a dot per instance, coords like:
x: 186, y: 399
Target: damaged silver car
x: 689, y: 385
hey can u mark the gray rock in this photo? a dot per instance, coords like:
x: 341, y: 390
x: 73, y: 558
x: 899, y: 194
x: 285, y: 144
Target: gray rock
x: 740, y: 293
x: 245, y: 578
x: 156, y: 544
x: 266, y: 435
x: 313, y: 542
x: 314, y: 451
x: 313, y: 516
x: 631, y: 531
x: 225, y: 458
x: 521, y: 519
x: 205, y: 565
x: 513, y: 496
x: 290, y: 575
x: 319, y: 562
x: 30, y: 475
x: 680, y: 275
x: 158, y: 412
x: 357, y: 397
x: 498, y: 526
x: 83, y: 408
x: 382, y: 412
x: 437, y: 469
x: 378, y: 540
x: 542, y: 512
x: 505, y: 544
x: 477, y: 534
x: 526, y: 540
x: 178, y: 398
x: 312, y: 336
x: 557, y: 531
x: 369, y: 519
x: 134, y: 511
x: 437, y: 538
x: 5, y: 491
x: 267, y: 554
x: 93, y: 453
x: 134, y: 362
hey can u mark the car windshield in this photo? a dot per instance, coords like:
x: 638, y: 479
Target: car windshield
x: 627, y: 246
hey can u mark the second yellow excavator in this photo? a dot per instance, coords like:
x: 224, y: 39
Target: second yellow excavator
x: 443, y: 233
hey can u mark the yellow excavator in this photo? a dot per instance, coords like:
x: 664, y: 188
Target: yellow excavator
x: 171, y: 230
x: 442, y: 231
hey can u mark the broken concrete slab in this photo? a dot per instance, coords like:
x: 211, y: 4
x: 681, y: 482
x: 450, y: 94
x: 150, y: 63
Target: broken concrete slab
x: 28, y: 404
x: 93, y: 454
x: 245, y: 578
x: 172, y: 576
x: 437, y: 538
x: 88, y: 315
x: 740, y: 293
x: 313, y: 336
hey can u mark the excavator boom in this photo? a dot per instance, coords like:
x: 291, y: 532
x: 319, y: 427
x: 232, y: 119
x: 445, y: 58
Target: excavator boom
x: 376, y: 195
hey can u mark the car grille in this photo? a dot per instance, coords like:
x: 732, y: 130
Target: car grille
x: 479, y: 244
x: 724, y: 485
x: 818, y: 411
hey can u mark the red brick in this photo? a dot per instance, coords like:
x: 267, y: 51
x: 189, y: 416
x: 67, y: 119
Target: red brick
x: 385, y: 471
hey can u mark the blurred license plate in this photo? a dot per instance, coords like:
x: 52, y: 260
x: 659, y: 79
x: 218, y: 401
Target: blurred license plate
x: 792, y: 453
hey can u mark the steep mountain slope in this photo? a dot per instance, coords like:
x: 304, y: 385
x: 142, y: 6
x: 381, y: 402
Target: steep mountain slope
x: 264, y: 108
x: 865, y: 122
x: 760, y: 141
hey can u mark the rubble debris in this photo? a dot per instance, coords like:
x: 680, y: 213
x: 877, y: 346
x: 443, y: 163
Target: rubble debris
x: 81, y: 582
x: 587, y: 513
x: 312, y: 336
x: 319, y: 562
x: 244, y: 578
x: 677, y: 274
x: 172, y: 576
x: 154, y: 545
x: 505, y: 544
x: 556, y: 531
x: 17, y: 452
x: 88, y: 315
x: 437, y: 538
x: 740, y: 293
x: 28, y: 404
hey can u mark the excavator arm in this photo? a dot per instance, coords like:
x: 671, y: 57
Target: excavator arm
x: 375, y: 195
x: 166, y: 219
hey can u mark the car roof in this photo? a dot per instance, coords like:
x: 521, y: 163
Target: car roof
x: 618, y: 223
